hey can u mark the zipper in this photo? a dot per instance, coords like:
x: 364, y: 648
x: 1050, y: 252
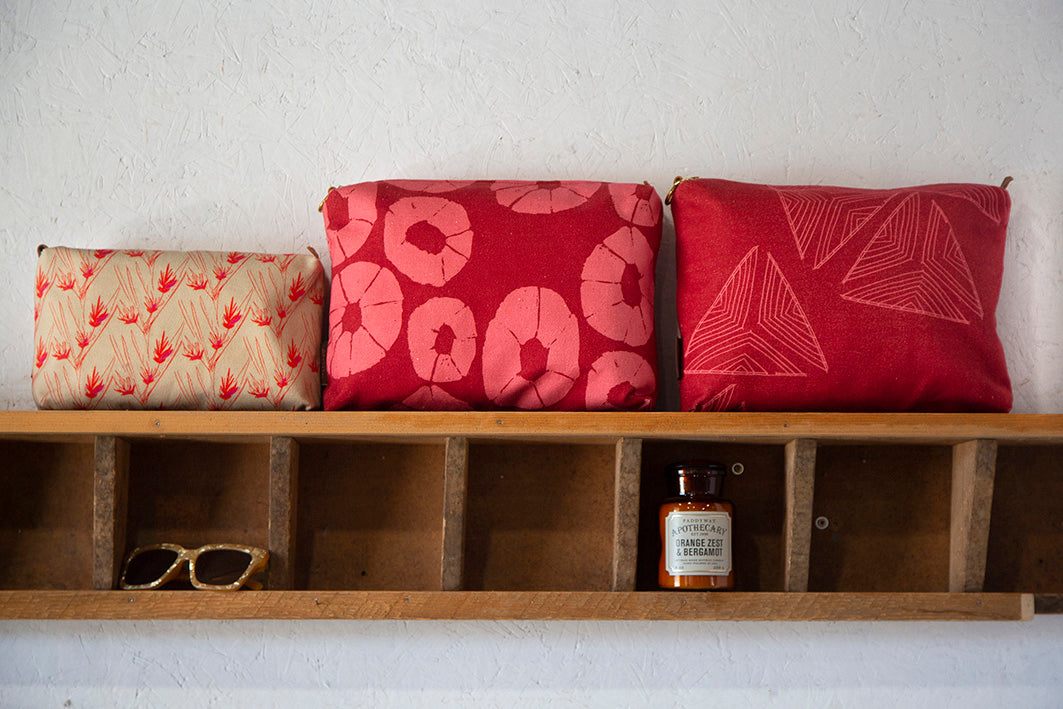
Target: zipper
x: 675, y: 183
x: 321, y: 207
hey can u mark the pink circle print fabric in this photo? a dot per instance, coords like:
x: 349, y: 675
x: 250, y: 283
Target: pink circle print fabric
x: 488, y: 295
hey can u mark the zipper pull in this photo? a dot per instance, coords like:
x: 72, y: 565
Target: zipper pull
x: 321, y: 207
x: 675, y: 183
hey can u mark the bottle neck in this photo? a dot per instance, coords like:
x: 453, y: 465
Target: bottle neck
x: 700, y: 479
x: 700, y: 484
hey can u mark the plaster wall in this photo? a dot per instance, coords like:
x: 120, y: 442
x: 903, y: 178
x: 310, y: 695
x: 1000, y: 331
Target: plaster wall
x: 219, y: 125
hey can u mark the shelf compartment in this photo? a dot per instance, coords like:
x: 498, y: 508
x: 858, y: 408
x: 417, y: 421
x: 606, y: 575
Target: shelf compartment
x: 758, y: 497
x: 491, y: 605
x: 193, y: 493
x: 46, y: 514
x: 885, y: 518
x: 369, y: 516
x: 1026, y: 528
x: 540, y: 517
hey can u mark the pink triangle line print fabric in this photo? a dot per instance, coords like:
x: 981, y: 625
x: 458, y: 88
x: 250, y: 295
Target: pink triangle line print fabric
x: 914, y: 264
x: 755, y: 326
x: 139, y: 329
x: 822, y: 222
x: 829, y: 298
x: 492, y: 295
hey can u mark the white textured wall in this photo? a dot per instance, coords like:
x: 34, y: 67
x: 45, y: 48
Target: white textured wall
x: 304, y: 664
x: 207, y: 124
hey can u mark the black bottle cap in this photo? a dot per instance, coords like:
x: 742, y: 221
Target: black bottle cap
x: 696, y: 478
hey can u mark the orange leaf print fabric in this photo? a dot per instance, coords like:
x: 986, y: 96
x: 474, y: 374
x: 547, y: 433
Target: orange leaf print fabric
x: 136, y: 329
x: 481, y: 295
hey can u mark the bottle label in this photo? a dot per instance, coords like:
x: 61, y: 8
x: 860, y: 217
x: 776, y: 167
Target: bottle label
x: 699, y: 543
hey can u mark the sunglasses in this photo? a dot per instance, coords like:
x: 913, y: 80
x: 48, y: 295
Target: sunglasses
x: 212, y: 567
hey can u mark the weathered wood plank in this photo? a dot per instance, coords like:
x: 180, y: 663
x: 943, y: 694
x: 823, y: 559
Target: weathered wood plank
x: 973, y: 470
x: 776, y: 428
x: 455, y: 499
x: 626, y: 513
x: 797, y: 530
x: 109, y: 510
x: 501, y: 605
x: 283, y: 504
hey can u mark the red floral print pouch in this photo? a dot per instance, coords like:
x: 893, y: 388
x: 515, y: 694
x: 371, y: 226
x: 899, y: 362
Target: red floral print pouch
x: 838, y: 299
x: 492, y: 295
x: 141, y: 329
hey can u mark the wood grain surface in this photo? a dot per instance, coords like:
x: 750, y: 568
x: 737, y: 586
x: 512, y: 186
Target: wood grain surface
x: 748, y: 427
x: 530, y: 605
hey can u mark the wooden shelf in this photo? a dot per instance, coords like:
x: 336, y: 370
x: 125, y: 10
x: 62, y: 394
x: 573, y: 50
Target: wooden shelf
x: 513, y: 605
x: 534, y: 515
x: 344, y: 425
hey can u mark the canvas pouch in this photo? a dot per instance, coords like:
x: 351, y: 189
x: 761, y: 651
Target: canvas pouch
x: 144, y: 329
x: 457, y: 295
x: 809, y: 298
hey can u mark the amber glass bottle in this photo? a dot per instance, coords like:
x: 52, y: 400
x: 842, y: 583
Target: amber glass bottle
x: 696, y: 530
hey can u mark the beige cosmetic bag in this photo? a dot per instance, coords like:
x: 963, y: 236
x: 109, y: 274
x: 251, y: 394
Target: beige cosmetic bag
x: 132, y: 329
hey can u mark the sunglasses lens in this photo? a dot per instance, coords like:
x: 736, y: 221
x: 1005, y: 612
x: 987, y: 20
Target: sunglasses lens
x: 221, y: 567
x: 149, y: 566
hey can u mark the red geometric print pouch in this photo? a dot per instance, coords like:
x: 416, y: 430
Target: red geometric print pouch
x: 835, y: 299
x: 125, y: 329
x: 492, y: 295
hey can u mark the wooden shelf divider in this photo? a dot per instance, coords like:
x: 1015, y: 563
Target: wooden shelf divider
x: 109, y: 510
x: 973, y: 468
x: 283, y: 499
x: 626, y: 513
x: 455, y: 501
x: 797, y: 533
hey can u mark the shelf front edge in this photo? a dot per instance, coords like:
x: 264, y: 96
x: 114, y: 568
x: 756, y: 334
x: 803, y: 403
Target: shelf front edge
x: 504, y: 605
